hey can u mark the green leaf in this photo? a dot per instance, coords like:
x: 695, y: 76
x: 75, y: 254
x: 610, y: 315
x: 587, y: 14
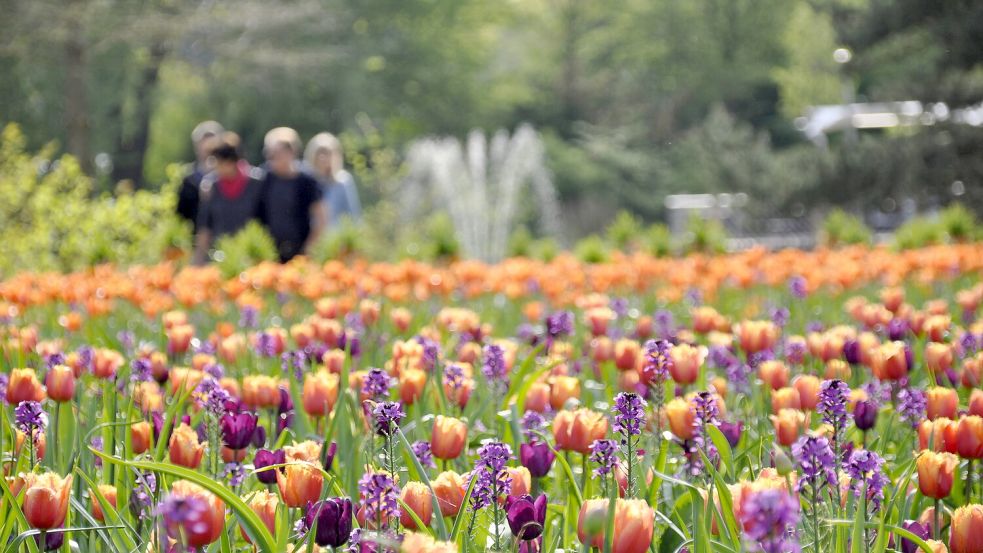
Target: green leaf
x: 723, y: 448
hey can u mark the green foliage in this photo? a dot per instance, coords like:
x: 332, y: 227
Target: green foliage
x: 953, y: 224
x: 51, y: 219
x: 442, y: 242
x: 624, y: 232
x: 236, y: 253
x: 658, y: 240
x: 841, y: 228
x: 919, y: 232
x: 520, y: 242
x: 591, y: 249
x: 705, y: 235
x: 958, y: 223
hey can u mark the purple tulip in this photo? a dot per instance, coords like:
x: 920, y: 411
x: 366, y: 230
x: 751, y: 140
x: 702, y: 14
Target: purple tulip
x: 331, y: 520
x: 851, y: 351
x: 266, y: 458
x: 896, y: 329
x: 329, y: 455
x: 921, y: 530
x: 537, y: 457
x: 865, y: 415
x: 732, y: 431
x: 259, y: 436
x: 526, y: 516
x: 238, y: 429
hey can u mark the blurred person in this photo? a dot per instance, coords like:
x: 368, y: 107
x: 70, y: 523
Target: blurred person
x: 325, y: 158
x: 290, y: 202
x: 230, y: 196
x: 203, y: 138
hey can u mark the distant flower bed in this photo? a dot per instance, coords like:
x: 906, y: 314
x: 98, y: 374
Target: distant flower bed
x: 818, y: 401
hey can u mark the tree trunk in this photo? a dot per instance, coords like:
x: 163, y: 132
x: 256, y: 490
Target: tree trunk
x: 132, y: 146
x: 76, y: 105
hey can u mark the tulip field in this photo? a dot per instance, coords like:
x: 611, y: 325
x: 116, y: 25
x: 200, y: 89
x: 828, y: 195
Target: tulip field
x: 814, y: 401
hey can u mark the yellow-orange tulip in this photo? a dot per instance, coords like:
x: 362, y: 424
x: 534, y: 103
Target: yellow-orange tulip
x: 300, y: 483
x: 966, y: 531
x: 935, y: 473
x: 576, y: 430
x: 411, y: 383
x: 185, y: 450
x: 320, y: 393
x: 260, y: 391
x: 681, y: 417
x: 449, y: 488
x: 774, y: 373
x: 562, y: 389
x: 941, y: 402
x: 140, y: 437
x: 788, y: 425
x: 264, y: 503
x: 60, y: 382
x: 448, y: 437
x: 634, y: 523
x: 808, y: 388
x: 107, y: 491
x: 969, y: 437
x: 418, y: 498
x: 686, y: 362
x: 46, y: 499
x: 23, y: 385
x: 785, y: 398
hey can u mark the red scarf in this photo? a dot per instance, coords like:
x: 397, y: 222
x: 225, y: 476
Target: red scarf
x: 233, y: 188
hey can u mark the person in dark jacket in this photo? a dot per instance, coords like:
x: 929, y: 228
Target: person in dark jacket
x: 203, y: 139
x: 290, y: 205
x: 230, y: 199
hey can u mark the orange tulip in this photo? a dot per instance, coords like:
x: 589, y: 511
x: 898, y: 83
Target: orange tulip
x: 418, y: 498
x: 681, y: 417
x: 888, y: 361
x: 411, y: 383
x: 449, y: 488
x: 576, y: 430
x: 260, y: 391
x: 941, y: 402
x: 972, y: 373
x: 966, y: 531
x: 23, y: 385
x: 626, y: 354
x: 320, y: 393
x: 211, y: 526
x: 307, y: 451
x: 598, y: 319
x: 686, y: 362
x: 537, y: 398
x: 808, y: 388
x: 401, y: 318
x: 774, y: 373
x: 107, y: 491
x: 755, y: 336
x: 937, y: 435
x: 837, y: 369
x: 562, y: 389
x: 938, y: 358
x: 179, y: 338
x: 935, y: 473
x: 264, y: 503
x: 969, y: 437
x: 460, y: 395
x: 185, y: 450
x: 140, y: 436
x: 785, y: 398
x: 448, y: 437
x: 46, y: 499
x: 634, y: 523
x: 788, y: 425
x: 976, y: 402
x: 60, y: 382
x: 935, y: 546
x: 300, y: 483
x: 521, y: 480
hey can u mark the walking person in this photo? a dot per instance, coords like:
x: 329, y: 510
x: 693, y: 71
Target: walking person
x: 203, y: 139
x: 325, y: 159
x: 290, y: 201
x: 231, y: 199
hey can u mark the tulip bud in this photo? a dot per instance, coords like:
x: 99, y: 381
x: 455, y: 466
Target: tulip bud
x: 935, y: 473
x: 185, y: 450
x: 537, y: 457
x: 108, y: 492
x: 140, y: 434
x: 941, y: 402
x: 417, y: 497
x: 300, y: 483
x: 969, y: 437
x: 61, y: 383
x: 865, y: 415
x: 45, y: 502
x: 449, y: 488
x: 320, y: 393
x: 448, y: 437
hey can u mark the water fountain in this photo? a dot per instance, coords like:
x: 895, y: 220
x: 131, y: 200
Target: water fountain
x: 480, y: 185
